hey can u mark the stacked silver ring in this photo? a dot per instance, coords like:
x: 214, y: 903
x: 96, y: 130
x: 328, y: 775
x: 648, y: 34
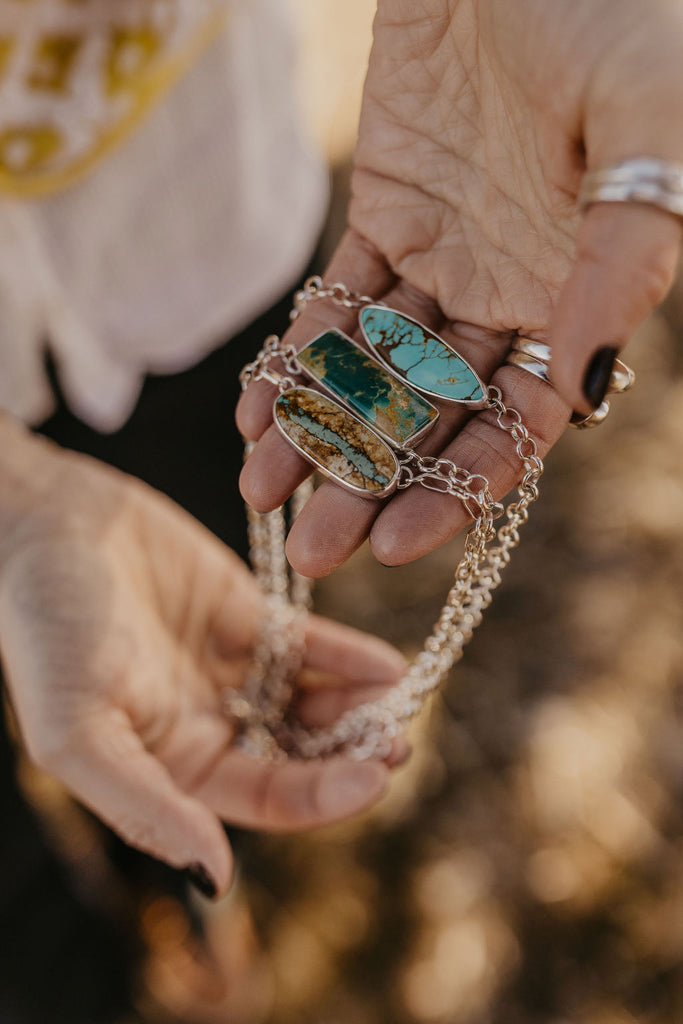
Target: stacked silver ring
x: 534, y: 357
x: 646, y: 180
x: 643, y: 180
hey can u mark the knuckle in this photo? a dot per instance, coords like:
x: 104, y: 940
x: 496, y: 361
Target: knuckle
x: 491, y: 459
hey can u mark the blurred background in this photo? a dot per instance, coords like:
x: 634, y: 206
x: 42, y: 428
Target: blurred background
x: 527, y: 865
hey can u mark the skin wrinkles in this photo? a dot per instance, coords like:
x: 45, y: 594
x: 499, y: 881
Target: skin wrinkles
x: 478, y: 122
x: 445, y: 255
x: 457, y: 183
x: 451, y: 245
x: 121, y: 621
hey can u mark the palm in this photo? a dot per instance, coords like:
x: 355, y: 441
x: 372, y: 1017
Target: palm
x: 463, y: 214
x: 180, y: 625
x: 453, y: 181
x: 112, y: 619
x: 122, y: 623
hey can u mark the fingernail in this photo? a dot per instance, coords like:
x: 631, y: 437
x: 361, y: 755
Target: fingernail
x: 599, y: 371
x: 201, y: 880
x: 347, y: 787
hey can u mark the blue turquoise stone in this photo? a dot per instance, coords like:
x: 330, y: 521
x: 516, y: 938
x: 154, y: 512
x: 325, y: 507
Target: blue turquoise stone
x: 396, y: 411
x: 420, y: 357
x: 337, y: 442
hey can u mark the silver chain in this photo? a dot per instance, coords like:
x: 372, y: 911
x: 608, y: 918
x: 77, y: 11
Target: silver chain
x: 315, y: 288
x: 368, y: 730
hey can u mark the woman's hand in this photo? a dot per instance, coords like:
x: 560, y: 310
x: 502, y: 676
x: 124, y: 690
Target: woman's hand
x: 122, y: 621
x: 479, y: 120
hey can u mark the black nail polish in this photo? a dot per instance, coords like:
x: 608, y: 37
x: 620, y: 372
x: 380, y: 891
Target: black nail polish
x: 201, y: 880
x: 599, y: 371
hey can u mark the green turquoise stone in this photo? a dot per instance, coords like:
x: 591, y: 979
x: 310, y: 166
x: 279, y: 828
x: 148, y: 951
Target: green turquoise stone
x: 420, y: 357
x: 337, y: 442
x: 396, y: 411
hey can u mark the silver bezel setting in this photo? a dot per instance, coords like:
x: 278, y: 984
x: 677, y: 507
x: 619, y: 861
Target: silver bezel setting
x: 479, y: 404
x: 360, y: 491
x: 404, y: 445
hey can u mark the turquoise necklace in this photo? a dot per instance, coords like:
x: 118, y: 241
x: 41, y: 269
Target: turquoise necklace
x: 357, y: 418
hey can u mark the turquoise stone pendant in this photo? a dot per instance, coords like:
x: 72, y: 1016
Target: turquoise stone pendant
x: 400, y: 415
x: 420, y: 357
x: 336, y: 442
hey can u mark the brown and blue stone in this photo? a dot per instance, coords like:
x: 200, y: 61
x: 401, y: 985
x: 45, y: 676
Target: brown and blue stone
x: 420, y: 357
x: 394, y: 410
x: 338, y: 443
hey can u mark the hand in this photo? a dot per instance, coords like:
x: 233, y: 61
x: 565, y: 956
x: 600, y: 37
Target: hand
x: 121, y: 622
x: 479, y: 120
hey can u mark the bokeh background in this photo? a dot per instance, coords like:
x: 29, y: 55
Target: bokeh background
x: 527, y: 865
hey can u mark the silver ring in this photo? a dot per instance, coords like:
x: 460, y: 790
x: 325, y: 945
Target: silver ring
x: 538, y: 367
x: 534, y: 356
x: 594, y: 419
x: 536, y: 349
x: 642, y: 180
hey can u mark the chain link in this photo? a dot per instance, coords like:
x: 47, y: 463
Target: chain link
x: 260, y: 368
x: 368, y: 730
x: 315, y: 288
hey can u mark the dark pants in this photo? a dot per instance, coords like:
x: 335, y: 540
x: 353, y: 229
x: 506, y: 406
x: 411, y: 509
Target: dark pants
x: 62, y: 960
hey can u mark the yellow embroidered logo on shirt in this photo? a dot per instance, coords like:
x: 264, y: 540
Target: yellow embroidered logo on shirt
x: 77, y: 76
x: 53, y: 63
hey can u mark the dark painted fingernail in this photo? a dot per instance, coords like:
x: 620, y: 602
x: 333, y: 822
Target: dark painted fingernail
x: 201, y: 880
x: 599, y: 371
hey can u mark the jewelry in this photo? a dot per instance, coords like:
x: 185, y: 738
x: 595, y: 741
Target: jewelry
x: 642, y: 180
x: 359, y: 431
x: 534, y: 357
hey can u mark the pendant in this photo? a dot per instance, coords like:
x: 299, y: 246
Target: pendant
x: 397, y: 413
x: 421, y: 358
x: 337, y: 442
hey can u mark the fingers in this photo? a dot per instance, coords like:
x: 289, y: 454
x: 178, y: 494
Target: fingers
x: 418, y: 521
x: 335, y: 523
x: 274, y: 468
x: 626, y: 252
x: 415, y: 521
x: 626, y: 260
x: 351, y: 656
x: 292, y: 795
x: 343, y: 668
x: 107, y: 767
x: 272, y: 471
x: 350, y: 667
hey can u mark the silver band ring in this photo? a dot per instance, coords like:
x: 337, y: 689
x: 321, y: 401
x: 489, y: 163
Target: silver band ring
x: 534, y: 356
x: 536, y: 349
x: 528, y: 363
x: 642, y: 180
x: 621, y: 379
x: 594, y: 419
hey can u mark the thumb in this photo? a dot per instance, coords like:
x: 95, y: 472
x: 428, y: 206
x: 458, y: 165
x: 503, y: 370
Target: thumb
x: 105, y: 765
x: 625, y: 264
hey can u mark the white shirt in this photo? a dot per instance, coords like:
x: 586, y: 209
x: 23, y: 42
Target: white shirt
x: 173, y: 242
